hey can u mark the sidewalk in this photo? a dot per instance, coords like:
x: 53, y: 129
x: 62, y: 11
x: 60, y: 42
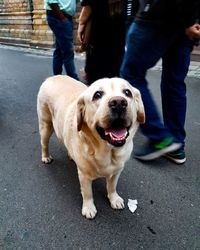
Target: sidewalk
x: 194, y: 69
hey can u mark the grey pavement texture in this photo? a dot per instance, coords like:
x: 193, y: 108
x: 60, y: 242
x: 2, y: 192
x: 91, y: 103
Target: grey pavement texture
x: 40, y: 206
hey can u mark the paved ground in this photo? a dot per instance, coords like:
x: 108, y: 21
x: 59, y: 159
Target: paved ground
x: 194, y: 70
x: 40, y: 206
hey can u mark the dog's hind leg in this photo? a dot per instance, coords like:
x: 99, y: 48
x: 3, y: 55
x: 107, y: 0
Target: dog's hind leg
x: 46, y: 130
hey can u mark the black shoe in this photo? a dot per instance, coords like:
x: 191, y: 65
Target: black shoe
x: 153, y: 150
x: 177, y: 156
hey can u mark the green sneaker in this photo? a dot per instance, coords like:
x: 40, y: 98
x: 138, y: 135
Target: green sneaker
x: 177, y: 156
x: 155, y: 149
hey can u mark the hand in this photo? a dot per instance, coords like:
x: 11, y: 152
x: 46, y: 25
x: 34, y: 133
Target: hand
x: 193, y: 31
x: 58, y: 12
x: 62, y: 17
x: 83, y: 31
x: 80, y: 32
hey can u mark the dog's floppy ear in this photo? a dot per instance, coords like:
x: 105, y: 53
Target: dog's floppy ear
x: 140, y: 106
x: 80, y: 113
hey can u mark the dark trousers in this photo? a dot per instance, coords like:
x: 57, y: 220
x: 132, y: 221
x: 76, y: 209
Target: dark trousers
x: 64, y: 49
x: 145, y: 46
x: 103, y: 62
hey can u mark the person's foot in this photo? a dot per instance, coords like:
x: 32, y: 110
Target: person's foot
x: 177, y: 156
x: 155, y: 149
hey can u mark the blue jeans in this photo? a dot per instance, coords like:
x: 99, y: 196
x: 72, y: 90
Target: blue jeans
x: 145, y: 46
x: 64, y: 49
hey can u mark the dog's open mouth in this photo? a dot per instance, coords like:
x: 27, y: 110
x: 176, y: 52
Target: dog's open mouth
x: 116, y: 136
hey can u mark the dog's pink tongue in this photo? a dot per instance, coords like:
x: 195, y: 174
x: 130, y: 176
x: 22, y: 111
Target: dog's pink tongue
x: 118, y: 133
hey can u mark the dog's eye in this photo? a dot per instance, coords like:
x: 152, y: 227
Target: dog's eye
x: 97, y: 95
x: 128, y: 93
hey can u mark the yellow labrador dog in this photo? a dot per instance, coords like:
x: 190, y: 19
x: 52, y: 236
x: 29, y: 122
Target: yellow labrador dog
x: 96, y: 124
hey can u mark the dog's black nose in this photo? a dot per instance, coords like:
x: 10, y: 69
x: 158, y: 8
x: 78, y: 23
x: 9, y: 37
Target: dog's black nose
x: 118, y: 104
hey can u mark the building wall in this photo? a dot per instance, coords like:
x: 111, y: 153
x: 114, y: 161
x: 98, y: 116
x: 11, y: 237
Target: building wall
x: 23, y: 22
x: 41, y: 34
x: 15, y: 21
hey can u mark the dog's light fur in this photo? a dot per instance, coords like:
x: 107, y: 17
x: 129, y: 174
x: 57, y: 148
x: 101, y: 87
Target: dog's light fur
x: 67, y: 107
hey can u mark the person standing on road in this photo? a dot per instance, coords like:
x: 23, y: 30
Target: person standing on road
x: 162, y: 29
x: 59, y: 17
x: 106, y: 40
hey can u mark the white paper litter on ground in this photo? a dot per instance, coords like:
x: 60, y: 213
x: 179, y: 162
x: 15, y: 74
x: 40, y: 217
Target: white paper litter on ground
x: 132, y: 205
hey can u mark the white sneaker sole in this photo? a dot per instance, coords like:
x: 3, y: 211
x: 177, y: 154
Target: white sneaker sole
x: 152, y: 156
x: 177, y: 161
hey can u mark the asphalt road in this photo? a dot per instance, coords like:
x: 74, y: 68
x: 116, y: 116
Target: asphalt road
x: 40, y: 206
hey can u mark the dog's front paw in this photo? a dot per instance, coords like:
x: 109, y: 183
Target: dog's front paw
x: 89, y: 210
x: 47, y: 160
x: 116, y: 202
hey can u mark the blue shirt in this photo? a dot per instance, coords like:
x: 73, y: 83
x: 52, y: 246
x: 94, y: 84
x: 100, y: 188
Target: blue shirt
x: 68, y: 6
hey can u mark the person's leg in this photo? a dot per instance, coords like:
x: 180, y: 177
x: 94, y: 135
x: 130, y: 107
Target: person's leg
x: 63, y: 31
x: 114, y: 56
x: 104, y: 62
x: 93, y: 64
x: 173, y: 88
x: 145, y: 46
x: 57, y: 60
x: 57, y: 55
x: 67, y: 49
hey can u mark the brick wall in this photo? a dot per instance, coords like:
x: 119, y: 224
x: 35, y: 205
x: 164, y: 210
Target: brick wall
x: 41, y: 34
x: 15, y: 21
x: 23, y: 23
